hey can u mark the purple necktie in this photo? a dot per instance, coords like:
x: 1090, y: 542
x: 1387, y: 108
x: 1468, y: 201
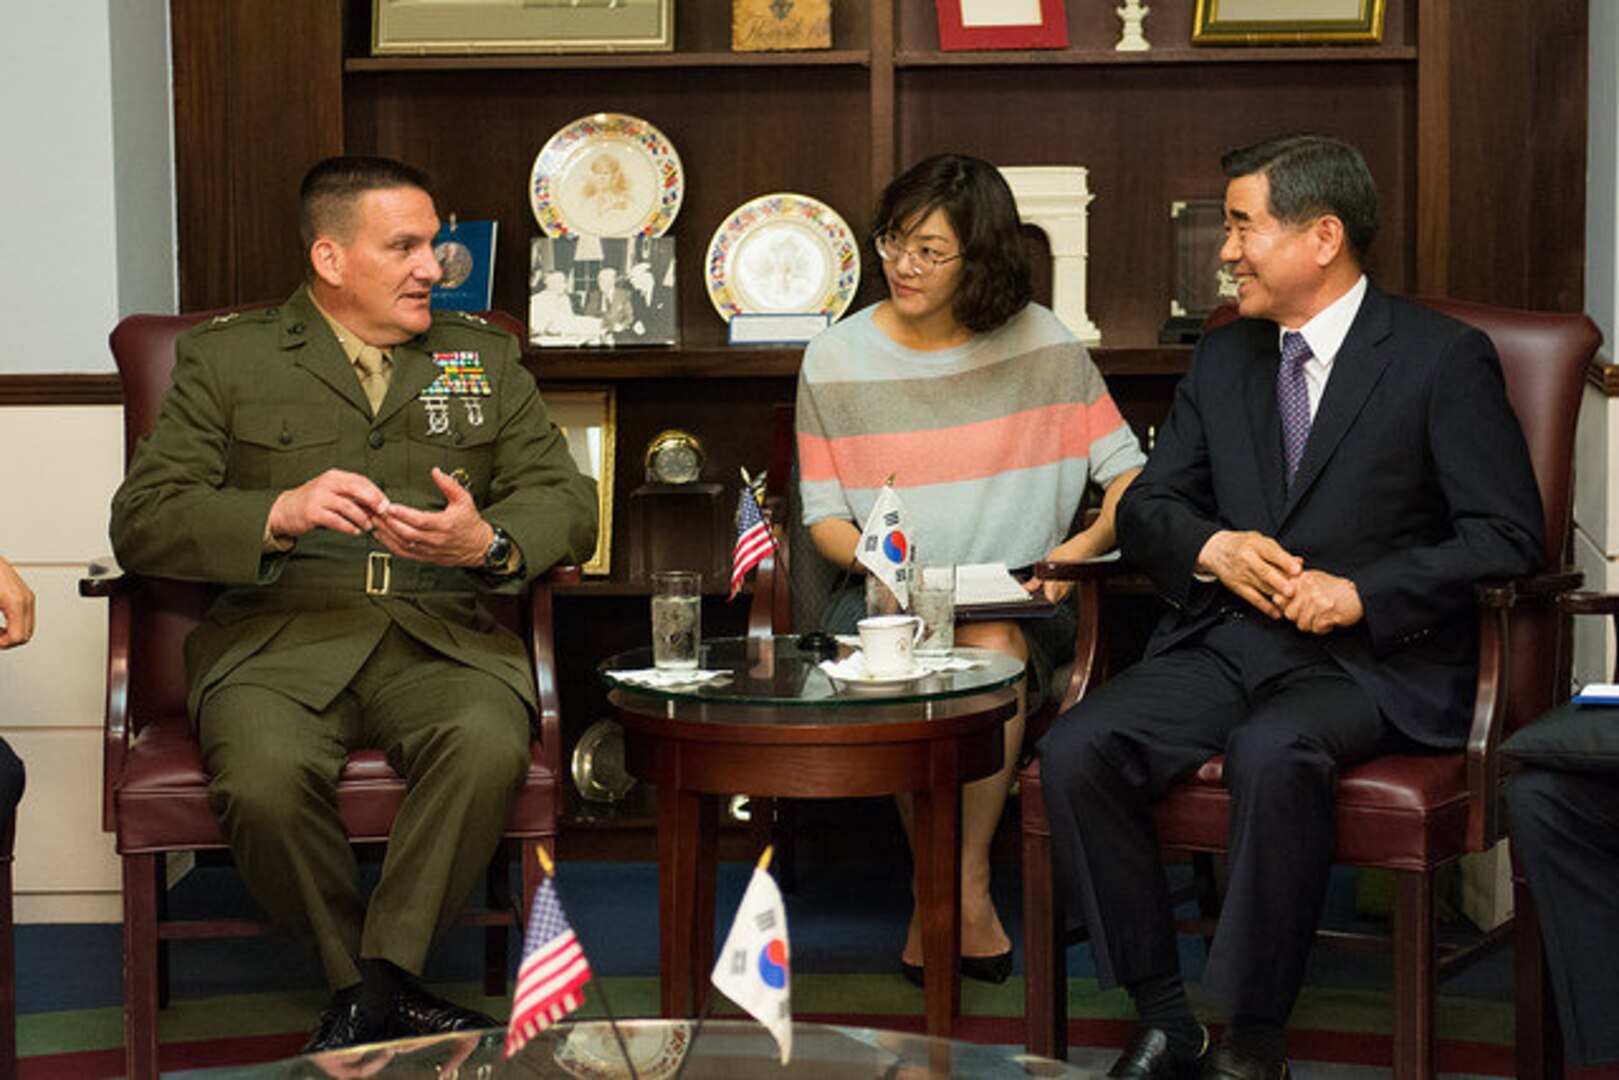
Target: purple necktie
x: 1293, y: 399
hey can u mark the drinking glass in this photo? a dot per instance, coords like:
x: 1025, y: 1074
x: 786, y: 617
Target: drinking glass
x: 677, y: 618
x: 933, y: 600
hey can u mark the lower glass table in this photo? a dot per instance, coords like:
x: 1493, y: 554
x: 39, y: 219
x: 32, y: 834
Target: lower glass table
x: 661, y: 1049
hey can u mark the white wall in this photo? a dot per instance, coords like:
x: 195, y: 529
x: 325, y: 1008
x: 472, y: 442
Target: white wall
x: 1596, y: 512
x: 89, y: 191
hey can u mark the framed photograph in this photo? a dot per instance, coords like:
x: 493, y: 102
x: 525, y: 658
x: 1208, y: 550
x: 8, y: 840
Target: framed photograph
x: 470, y: 27
x: 1288, y: 22
x: 1002, y: 24
x: 609, y: 291
x: 589, y: 419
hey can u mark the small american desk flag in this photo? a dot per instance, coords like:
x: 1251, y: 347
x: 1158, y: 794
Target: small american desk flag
x: 551, y: 980
x: 753, y: 540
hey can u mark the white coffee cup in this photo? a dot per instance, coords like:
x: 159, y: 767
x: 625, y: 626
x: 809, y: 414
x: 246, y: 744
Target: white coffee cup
x: 887, y: 643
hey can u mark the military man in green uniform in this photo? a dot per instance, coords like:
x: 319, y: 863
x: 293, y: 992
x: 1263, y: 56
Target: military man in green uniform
x: 355, y: 468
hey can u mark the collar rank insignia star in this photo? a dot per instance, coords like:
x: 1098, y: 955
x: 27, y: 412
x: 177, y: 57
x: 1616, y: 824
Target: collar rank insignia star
x: 460, y: 375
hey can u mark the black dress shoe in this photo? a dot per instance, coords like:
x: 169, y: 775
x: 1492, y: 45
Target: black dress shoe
x: 342, y: 1024
x: 1149, y: 1057
x: 990, y: 969
x: 417, y: 1012
x: 1228, y: 1064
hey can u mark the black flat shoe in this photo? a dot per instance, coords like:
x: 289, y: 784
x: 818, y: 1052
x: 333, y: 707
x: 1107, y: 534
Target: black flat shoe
x: 990, y: 969
x: 1149, y: 1057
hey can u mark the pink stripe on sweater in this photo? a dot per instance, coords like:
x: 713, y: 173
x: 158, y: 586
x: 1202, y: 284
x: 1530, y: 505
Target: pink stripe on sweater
x: 1024, y: 440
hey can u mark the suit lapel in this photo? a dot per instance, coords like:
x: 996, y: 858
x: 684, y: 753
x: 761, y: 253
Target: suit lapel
x: 1264, y: 425
x: 1356, y: 370
x: 316, y: 350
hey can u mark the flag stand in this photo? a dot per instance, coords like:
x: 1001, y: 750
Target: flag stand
x: 551, y: 871
x: 763, y: 868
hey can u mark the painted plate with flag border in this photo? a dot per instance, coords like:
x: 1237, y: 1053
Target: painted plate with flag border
x: 607, y: 174
x: 782, y: 253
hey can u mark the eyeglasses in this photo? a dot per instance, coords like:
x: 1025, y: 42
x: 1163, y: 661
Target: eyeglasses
x: 923, y: 260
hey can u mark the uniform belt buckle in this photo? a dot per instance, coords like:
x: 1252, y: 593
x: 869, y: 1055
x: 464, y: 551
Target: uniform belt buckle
x: 378, y: 573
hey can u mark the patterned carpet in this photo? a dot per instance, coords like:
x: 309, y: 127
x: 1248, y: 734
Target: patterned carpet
x: 253, y: 1000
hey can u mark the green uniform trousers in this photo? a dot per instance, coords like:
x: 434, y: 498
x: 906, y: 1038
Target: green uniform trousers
x: 459, y: 737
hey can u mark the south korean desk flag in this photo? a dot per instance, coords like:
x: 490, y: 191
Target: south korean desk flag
x: 753, y: 969
x: 885, y: 547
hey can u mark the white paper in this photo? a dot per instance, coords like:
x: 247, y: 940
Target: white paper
x: 1603, y: 693
x: 1000, y: 13
x: 988, y: 583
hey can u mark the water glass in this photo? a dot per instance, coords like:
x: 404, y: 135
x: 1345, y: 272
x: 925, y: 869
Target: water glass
x: 933, y: 600
x: 880, y: 599
x: 677, y: 619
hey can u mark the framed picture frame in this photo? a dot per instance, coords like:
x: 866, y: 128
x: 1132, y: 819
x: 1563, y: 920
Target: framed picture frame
x: 588, y: 417
x: 472, y: 27
x: 1288, y: 22
x: 1002, y: 24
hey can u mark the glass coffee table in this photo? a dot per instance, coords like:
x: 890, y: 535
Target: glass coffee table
x: 777, y: 726
x: 661, y: 1049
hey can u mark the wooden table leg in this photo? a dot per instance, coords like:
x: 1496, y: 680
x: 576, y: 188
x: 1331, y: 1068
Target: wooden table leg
x: 708, y: 852
x: 679, y: 841
x: 938, y: 859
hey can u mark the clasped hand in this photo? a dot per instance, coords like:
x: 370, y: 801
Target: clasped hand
x: 1274, y: 581
x: 352, y: 504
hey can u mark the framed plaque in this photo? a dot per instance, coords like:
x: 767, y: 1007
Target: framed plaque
x: 589, y: 420
x: 1002, y: 24
x: 1200, y: 282
x: 471, y: 27
x: 1288, y: 22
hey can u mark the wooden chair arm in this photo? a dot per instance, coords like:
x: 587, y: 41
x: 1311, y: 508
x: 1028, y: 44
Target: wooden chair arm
x: 1588, y: 603
x: 1499, y: 603
x: 104, y: 580
x: 542, y: 645
x: 1097, y: 569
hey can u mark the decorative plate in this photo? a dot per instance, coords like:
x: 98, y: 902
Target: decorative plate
x: 598, y: 763
x: 782, y: 253
x: 607, y: 175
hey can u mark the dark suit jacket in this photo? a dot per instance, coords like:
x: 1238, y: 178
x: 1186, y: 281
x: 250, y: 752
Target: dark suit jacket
x: 1415, y: 484
x: 264, y: 401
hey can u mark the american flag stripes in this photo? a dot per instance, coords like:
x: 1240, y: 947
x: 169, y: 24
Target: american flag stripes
x: 753, y: 540
x: 550, y: 983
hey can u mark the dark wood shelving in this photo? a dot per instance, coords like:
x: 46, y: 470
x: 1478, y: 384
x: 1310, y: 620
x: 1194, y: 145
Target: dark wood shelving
x: 360, y: 65
x: 1169, y: 54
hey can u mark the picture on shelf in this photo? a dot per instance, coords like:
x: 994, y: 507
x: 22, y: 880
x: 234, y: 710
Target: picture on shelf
x: 761, y: 25
x: 602, y: 291
x: 588, y: 419
x: 465, y: 251
x: 1288, y: 22
x: 1002, y: 24
x: 422, y: 27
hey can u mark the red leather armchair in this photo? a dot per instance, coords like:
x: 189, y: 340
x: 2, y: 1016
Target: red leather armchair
x: 1410, y: 814
x: 154, y: 790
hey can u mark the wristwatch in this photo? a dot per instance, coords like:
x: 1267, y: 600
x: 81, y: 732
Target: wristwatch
x: 499, y: 553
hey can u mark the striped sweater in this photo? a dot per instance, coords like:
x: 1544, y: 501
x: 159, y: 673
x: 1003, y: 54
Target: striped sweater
x: 990, y: 444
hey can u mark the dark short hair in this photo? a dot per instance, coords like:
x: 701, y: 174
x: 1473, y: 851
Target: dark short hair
x: 1310, y: 175
x: 330, y: 189
x: 973, y: 194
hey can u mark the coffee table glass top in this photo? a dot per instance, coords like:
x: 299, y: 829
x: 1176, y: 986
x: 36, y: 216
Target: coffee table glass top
x: 658, y: 1049
x: 775, y: 671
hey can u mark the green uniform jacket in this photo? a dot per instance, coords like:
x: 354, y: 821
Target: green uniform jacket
x: 264, y: 401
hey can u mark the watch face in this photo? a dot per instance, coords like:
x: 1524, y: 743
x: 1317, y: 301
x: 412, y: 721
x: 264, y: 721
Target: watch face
x: 674, y: 457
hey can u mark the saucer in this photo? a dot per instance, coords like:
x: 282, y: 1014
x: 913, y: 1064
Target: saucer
x: 850, y: 673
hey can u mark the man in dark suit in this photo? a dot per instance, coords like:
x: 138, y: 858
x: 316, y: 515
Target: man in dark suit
x: 355, y: 469
x: 1337, y: 470
x: 1564, y: 801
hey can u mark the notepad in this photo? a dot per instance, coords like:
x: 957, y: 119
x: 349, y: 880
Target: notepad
x: 1597, y: 694
x: 988, y: 583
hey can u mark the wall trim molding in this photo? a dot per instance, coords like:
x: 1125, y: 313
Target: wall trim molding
x: 60, y: 390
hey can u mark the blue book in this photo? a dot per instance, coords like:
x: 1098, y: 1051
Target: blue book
x: 466, y: 251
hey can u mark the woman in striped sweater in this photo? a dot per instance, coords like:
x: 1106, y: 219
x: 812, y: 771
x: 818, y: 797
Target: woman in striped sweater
x: 993, y: 422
